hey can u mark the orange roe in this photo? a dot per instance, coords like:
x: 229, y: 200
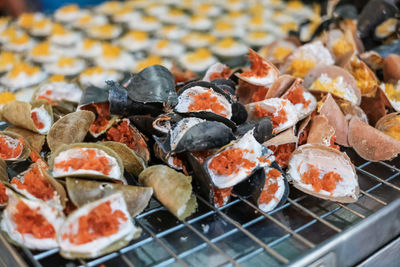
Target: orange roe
x: 46, y: 96
x: 39, y: 125
x: 282, y: 153
x: 88, y: 161
x: 122, y: 133
x: 225, y: 73
x: 29, y: 221
x: 36, y: 184
x: 332, y: 143
x: 34, y: 156
x: 230, y: 161
x: 258, y: 66
x: 101, y: 221
x: 327, y: 183
x: 296, y: 96
x: 103, y: 116
x: 202, y: 155
x: 270, y: 187
x: 259, y: 94
x: 206, y: 101
x: 177, y: 162
x: 264, y: 159
x: 221, y: 195
x: 7, y: 152
x: 277, y: 120
x: 3, y: 195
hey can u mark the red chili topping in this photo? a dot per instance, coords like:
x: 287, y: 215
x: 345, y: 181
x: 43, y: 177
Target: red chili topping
x: 327, y: 183
x: 221, y: 195
x: 231, y: 161
x: 206, y: 101
x: 259, y: 94
x: 258, y: 66
x: 88, y: 161
x: 101, y: 221
x: 7, y: 151
x: 36, y: 184
x: 296, y: 96
x: 29, y: 221
x: 282, y: 153
x: 3, y: 195
x: 259, y: 112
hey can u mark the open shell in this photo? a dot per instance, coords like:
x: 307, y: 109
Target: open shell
x: 321, y: 132
x: 83, y: 191
x: 377, y: 106
x: 18, y: 113
x: 100, y: 245
x: 265, y: 80
x: 334, y: 80
x: 280, y: 86
x: 53, y: 216
x: 326, y: 160
x: 172, y: 188
x: 370, y: 143
x: 336, y: 119
x: 25, y: 151
x: 391, y: 68
x: 72, y: 128
x: 83, y: 173
x: 35, y: 140
x: 390, y: 125
x: 133, y: 163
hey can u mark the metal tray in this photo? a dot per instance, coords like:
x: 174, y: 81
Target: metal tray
x: 306, y: 231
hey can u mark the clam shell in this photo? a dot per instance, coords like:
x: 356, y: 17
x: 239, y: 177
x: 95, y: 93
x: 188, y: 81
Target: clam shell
x: 133, y: 163
x: 372, y: 59
x: 391, y: 68
x: 72, y: 128
x: 387, y: 121
x: 285, y: 137
x: 336, y: 119
x: 114, y: 242
x: 280, y: 86
x: 35, y: 140
x: 172, y: 188
x: 350, y: 110
x: 25, y: 152
x: 326, y: 159
x: 370, y: 143
x: 107, y: 150
x: 376, y: 107
x: 334, y: 72
x: 18, y: 113
x: 82, y: 192
x: 3, y: 171
x: 321, y: 131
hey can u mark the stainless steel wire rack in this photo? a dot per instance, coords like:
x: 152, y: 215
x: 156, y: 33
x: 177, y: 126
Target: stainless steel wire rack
x: 306, y: 231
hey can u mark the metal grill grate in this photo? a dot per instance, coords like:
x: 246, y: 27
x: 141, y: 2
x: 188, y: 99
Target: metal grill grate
x: 241, y: 234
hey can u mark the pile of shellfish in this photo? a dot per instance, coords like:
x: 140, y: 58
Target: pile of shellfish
x: 73, y: 175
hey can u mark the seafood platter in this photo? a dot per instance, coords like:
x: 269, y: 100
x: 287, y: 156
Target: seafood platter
x: 184, y: 132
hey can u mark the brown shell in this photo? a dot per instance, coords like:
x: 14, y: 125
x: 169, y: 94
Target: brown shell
x: 280, y: 86
x: 372, y: 59
x: 333, y: 35
x: 83, y: 191
x: 132, y: 162
x: 375, y: 107
x: 245, y: 91
x: 391, y: 68
x: 327, y: 152
x: 370, y: 143
x: 321, y: 131
x: 285, y: 137
x: 3, y: 171
x: 18, y: 113
x: 336, y: 119
x: 35, y: 140
x: 70, y: 129
x: 333, y: 72
x: 388, y: 121
x: 350, y: 110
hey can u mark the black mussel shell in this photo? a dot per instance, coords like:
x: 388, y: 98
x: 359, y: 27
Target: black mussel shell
x: 226, y: 84
x: 154, y: 84
x: 205, y: 84
x: 234, y: 77
x: 205, y: 135
x: 121, y: 104
x: 239, y: 113
x: 263, y: 130
x: 254, y: 183
x: 93, y: 95
x: 211, y: 116
x: 144, y: 124
x: 164, y: 122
